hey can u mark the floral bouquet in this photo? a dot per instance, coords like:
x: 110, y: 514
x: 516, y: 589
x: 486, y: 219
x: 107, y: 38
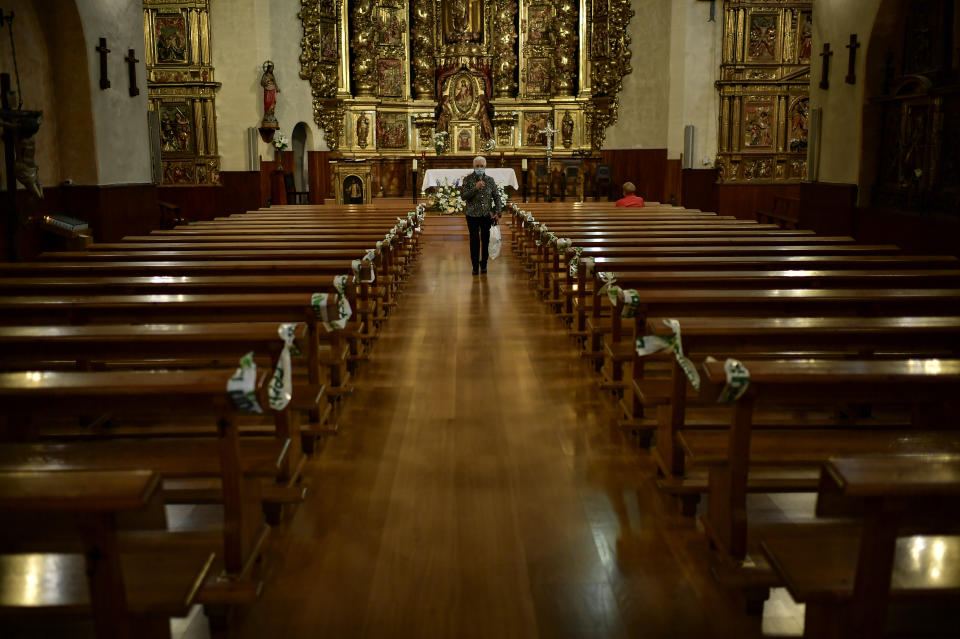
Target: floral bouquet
x: 447, y: 200
x: 280, y: 142
x: 440, y: 141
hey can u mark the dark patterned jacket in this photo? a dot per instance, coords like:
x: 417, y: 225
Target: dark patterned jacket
x: 482, y: 201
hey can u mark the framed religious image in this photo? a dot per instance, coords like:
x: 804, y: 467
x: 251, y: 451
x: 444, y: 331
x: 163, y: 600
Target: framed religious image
x: 533, y: 124
x: 328, y: 40
x: 758, y: 123
x: 600, y: 43
x: 538, y: 76
x: 465, y: 140
x: 763, y: 37
x: 328, y: 8
x: 463, y: 91
x: 462, y: 21
x: 171, y: 38
x: 176, y: 128
x: 392, y: 131
x: 539, y: 18
x: 805, y: 37
x: 797, y: 124
x: 391, y: 28
x: 390, y: 78
x: 181, y: 172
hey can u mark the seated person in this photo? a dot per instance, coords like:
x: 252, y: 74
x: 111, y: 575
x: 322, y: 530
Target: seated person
x: 630, y: 197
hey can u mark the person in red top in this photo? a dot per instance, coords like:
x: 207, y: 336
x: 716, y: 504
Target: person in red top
x: 630, y: 197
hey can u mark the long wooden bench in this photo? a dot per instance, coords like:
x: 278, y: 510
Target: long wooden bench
x: 896, y: 551
x: 126, y: 594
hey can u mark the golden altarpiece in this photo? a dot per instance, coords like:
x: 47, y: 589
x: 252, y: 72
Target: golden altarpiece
x: 181, y: 89
x: 764, y: 90
x: 495, y: 76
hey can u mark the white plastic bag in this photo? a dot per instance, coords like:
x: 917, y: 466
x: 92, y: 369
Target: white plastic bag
x: 493, y: 247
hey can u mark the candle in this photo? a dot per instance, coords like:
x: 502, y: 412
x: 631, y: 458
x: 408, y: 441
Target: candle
x: 414, y: 164
x: 523, y: 164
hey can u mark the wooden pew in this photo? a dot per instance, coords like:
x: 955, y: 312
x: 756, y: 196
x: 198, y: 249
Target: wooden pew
x: 240, y: 463
x: 849, y: 574
x: 126, y: 594
x: 923, y: 384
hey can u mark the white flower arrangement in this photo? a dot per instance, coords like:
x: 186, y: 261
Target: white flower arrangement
x: 447, y: 200
x: 503, y: 195
x: 280, y: 141
x: 440, y: 141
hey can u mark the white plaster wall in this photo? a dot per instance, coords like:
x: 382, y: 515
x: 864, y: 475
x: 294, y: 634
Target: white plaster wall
x: 842, y: 103
x: 120, y: 121
x: 644, y: 99
x: 701, y: 102
x: 245, y: 33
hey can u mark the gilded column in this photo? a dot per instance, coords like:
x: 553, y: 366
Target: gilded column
x: 505, y: 35
x: 567, y: 40
x: 422, y: 36
x: 363, y: 25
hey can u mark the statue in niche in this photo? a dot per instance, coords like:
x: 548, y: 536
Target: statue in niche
x: 363, y: 130
x: 566, y: 130
x: 353, y: 190
x: 463, y: 20
x: 269, y: 83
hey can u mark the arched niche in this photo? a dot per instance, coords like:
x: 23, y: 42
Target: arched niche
x: 301, y: 141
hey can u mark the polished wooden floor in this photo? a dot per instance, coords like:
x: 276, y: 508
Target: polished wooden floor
x: 480, y: 488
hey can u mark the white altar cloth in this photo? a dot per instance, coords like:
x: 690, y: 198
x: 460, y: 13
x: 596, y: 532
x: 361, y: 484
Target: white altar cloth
x: 442, y: 177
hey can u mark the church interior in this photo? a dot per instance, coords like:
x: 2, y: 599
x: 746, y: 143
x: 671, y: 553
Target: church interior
x: 701, y: 381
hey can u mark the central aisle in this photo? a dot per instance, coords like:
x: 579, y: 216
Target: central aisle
x: 479, y: 487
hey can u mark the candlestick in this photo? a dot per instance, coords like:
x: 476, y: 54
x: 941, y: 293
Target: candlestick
x: 523, y: 164
x: 414, y: 164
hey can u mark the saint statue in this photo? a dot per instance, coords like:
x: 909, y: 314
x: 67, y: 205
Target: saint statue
x: 363, y: 130
x: 566, y: 130
x: 444, y: 114
x: 270, y: 90
x: 484, y: 114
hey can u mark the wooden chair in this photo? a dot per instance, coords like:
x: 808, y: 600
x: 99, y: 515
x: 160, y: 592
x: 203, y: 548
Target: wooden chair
x: 293, y: 195
x: 541, y: 182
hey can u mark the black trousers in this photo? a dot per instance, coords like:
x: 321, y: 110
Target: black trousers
x: 479, y: 229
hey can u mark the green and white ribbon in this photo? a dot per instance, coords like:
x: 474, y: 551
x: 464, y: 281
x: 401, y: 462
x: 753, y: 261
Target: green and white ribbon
x: 379, y: 245
x: 388, y: 240
x: 321, y: 305
x: 357, y: 266
x: 574, y: 262
x: 609, y: 279
x: 547, y: 237
x: 649, y: 344
x: 738, y: 379
x: 631, y: 300
x: 562, y: 244
x: 281, y: 384
x: 241, y: 387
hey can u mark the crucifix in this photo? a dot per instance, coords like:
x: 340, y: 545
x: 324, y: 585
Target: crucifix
x: 852, y: 60
x: 825, y: 73
x: 131, y: 61
x: 103, y: 51
x: 549, y: 131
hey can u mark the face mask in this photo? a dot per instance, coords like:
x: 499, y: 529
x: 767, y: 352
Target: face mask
x: 479, y: 171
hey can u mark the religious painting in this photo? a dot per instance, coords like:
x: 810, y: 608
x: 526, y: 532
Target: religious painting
x: 533, y: 124
x: 392, y: 131
x: 758, y: 169
x: 762, y: 44
x: 463, y: 21
x: 538, y: 24
x: 389, y: 78
x: 171, y: 36
x: 178, y: 173
x: 758, y: 124
x: 176, y: 128
x: 799, y: 112
x: 463, y: 92
x: 465, y: 140
x: 352, y: 190
x: 538, y: 76
x: 600, y: 41
x: 391, y: 28
x: 327, y: 8
x: 328, y: 40
x: 805, y: 39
